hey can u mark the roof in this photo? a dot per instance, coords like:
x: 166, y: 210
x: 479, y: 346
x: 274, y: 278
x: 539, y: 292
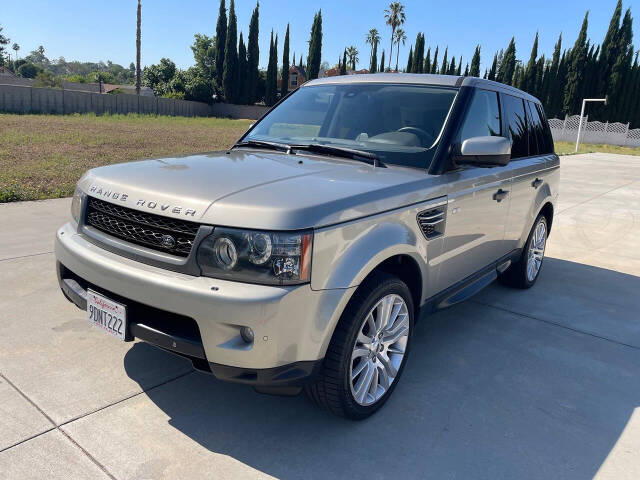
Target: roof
x: 422, y: 79
x: 299, y: 69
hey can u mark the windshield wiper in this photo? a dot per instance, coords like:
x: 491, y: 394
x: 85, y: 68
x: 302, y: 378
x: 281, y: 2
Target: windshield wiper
x: 282, y: 147
x: 361, y: 155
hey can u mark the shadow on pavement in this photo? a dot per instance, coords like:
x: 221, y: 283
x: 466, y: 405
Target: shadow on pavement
x: 487, y: 393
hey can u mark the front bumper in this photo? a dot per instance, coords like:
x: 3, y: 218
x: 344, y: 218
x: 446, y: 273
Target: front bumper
x: 200, y: 318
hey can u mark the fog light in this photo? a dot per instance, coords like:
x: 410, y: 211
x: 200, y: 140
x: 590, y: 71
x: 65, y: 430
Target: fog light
x: 247, y: 334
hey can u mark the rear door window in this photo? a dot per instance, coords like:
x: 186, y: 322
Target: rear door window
x: 483, y: 116
x: 516, y: 126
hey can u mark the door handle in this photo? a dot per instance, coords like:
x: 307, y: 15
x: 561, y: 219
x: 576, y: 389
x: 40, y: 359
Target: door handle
x: 500, y: 195
x: 536, y: 183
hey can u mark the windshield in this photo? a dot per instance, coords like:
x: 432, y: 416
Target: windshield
x: 398, y: 123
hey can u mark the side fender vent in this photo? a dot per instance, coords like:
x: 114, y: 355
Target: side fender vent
x: 432, y: 221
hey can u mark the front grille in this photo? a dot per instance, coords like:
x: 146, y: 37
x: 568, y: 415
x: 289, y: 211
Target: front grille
x: 154, y: 231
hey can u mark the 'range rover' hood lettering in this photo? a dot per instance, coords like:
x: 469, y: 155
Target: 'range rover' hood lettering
x: 125, y: 198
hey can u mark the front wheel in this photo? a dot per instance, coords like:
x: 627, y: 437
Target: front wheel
x: 368, y: 350
x: 524, y: 273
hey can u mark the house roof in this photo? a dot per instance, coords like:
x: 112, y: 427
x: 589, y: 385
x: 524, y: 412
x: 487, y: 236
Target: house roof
x: 299, y: 69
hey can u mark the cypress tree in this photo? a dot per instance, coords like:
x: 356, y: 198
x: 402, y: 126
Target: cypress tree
x: 373, y: 67
x: 427, y: 62
x: 459, y: 69
x: 445, y: 64
x: 410, y: 60
x: 466, y: 70
x: 271, y: 89
x: 575, y: 71
x: 221, y: 41
x: 474, y: 70
x: 508, y: 64
x: 538, y: 82
x: 552, y: 75
x: 494, y: 68
x: 452, y: 67
x: 343, y: 66
x: 382, y: 61
x: 315, y: 47
x: 284, y: 87
x: 517, y: 74
x: 253, y: 57
x: 530, y: 72
x: 609, y: 50
x: 230, y: 75
x: 621, y: 69
x: 300, y: 61
x: 243, y: 72
x: 434, y: 65
x: 418, y: 60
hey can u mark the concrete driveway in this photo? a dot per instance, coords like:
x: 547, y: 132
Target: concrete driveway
x: 513, y: 384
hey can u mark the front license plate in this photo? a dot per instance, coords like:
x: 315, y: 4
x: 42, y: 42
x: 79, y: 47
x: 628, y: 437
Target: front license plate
x: 107, y: 314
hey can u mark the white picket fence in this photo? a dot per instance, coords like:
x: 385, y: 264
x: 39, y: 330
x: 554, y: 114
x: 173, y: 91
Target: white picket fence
x: 594, y: 132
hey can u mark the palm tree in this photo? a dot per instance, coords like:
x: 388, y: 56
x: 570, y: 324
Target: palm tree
x: 138, y: 22
x: 352, y: 54
x: 16, y: 47
x: 395, y: 17
x: 399, y: 36
x: 373, y: 38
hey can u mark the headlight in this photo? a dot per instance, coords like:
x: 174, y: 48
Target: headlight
x: 269, y: 258
x: 76, y: 204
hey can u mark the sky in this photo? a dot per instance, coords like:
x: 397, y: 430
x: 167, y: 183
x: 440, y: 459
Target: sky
x: 93, y: 31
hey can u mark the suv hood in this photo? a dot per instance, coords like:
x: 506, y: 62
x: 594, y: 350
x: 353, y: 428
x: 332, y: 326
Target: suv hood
x: 261, y: 190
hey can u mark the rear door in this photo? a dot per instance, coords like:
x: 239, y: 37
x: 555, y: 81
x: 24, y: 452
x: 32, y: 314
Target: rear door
x: 478, y: 200
x: 529, y: 155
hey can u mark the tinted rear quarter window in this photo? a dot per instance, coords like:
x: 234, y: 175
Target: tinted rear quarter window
x: 516, y: 120
x: 546, y: 130
x: 536, y: 139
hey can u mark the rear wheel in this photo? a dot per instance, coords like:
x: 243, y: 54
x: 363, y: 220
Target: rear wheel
x: 524, y: 273
x: 368, y: 350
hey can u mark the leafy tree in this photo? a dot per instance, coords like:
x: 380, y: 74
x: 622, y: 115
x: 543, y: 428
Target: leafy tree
x: 284, y: 87
x: 28, y: 70
x: 204, y: 54
x: 15, y: 48
x: 138, y: 42
x: 315, y: 47
x: 474, y: 70
x: 575, y: 71
x: 221, y: 42
x: 230, y: 73
x: 243, y: 72
x: 3, y: 41
x: 253, y: 57
x: 373, y: 38
x: 394, y: 17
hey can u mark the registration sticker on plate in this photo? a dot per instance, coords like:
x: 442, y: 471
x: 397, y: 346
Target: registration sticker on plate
x: 107, y: 314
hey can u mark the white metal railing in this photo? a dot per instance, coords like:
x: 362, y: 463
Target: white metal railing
x: 594, y: 132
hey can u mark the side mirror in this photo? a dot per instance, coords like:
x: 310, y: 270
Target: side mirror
x: 485, y: 152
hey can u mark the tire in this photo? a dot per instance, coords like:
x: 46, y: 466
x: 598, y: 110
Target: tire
x: 333, y: 389
x: 519, y: 275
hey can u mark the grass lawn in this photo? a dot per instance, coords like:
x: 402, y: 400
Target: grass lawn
x: 42, y: 156
x: 567, y: 148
